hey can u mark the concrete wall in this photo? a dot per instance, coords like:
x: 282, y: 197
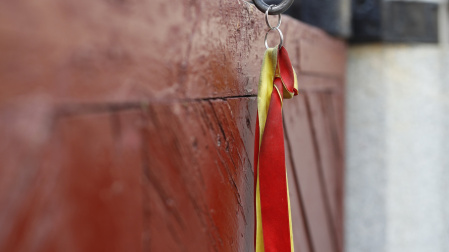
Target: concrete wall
x: 397, y: 181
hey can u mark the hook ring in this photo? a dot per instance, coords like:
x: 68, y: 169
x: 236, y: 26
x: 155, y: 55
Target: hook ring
x: 281, y: 37
x: 277, y: 9
x: 266, y: 18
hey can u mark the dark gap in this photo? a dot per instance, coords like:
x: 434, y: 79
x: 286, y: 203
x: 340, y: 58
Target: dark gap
x: 146, y: 211
x: 95, y: 108
x: 333, y: 125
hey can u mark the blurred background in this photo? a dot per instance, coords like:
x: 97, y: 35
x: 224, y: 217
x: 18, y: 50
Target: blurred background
x: 128, y: 125
x: 397, y: 125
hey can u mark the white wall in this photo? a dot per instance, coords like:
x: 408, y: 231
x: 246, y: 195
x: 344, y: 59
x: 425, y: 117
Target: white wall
x: 397, y: 193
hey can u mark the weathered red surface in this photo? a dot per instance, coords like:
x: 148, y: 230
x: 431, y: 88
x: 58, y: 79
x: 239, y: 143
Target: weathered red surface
x: 71, y: 183
x: 128, y: 126
x: 198, y: 176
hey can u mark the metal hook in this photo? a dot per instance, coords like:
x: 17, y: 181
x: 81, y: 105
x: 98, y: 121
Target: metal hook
x: 266, y: 18
x: 277, y: 9
x: 281, y: 38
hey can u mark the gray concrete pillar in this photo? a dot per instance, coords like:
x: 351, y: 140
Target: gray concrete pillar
x: 397, y: 193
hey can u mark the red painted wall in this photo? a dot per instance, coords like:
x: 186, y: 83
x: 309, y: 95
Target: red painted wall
x: 129, y: 125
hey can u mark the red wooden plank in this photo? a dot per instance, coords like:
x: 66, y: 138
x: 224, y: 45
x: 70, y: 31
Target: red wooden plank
x: 25, y: 139
x: 203, y: 184
x: 301, y: 231
x: 146, y: 49
x: 299, y: 132
x: 329, y: 157
x: 314, y: 52
x: 325, y: 147
x: 76, y: 188
x: 318, y: 57
x: 313, y: 83
x: 329, y: 111
x: 100, y: 181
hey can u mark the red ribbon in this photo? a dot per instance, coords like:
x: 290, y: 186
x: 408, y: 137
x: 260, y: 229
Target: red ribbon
x: 269, y: 160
